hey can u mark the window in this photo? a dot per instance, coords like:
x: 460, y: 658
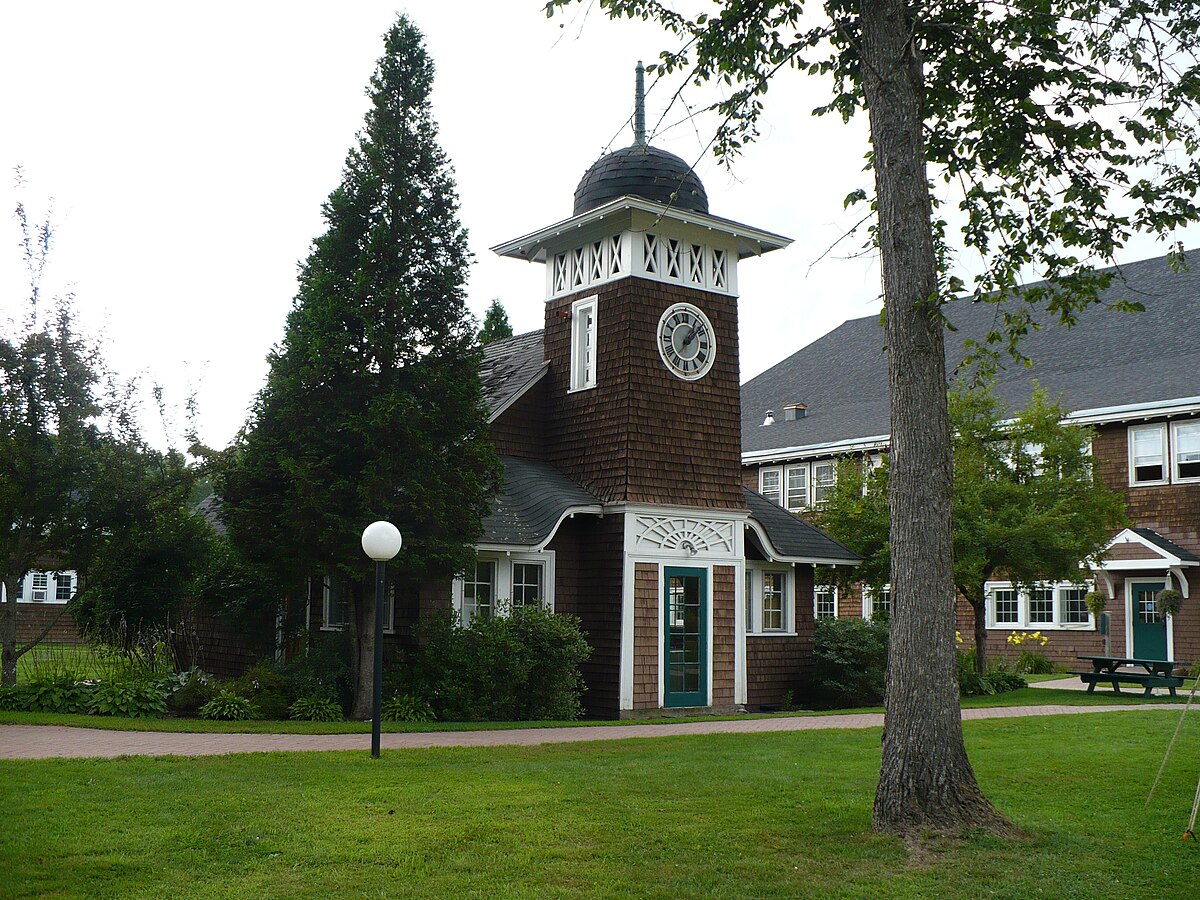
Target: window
x: 64, y: 587
x: 335, y: 604
x: 1045, y: 606
x: 769, y: 484
x: 825, y: 602
x: 768, y: 600
x: 39, y: 585
x: 527, y: 584
x: 479, y: 592
x: 797, y: 487
x: 583, y: 344
x: 498, y: 583
x: 1147, y: 454
x: 824, y: 478
x: 1185, y: 446
x: 877, y: 602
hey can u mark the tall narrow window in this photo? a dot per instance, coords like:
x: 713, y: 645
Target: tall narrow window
x: 335, y: 605
x: 824, y: 478
x: 825, y: 602
x: 773, y: 601
x: 527, y: 584
x: 583, y: 344
x: 1041, y: 606
x: 64, y: 587
x: 479, y: 592
x: 749, y: 601
x: 1005, y: 610
x: 1186, y: 450
x: 797, y: 487
x: 1072, y: 608
x: 1147, y: 454
x: 769, y: 484
x: 39, y: 585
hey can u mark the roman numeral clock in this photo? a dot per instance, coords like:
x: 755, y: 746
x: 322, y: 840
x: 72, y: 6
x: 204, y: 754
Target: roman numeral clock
x: 686, y: 341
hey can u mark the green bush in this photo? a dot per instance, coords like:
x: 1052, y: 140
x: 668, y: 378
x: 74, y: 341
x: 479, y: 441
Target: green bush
x: 266, y: 686
x: 59, y: 693
x: 511, y: 668
x: 406, y: 708
x: 315, y: 709
x: 323, y: 670
x: 1031, y: 662
x: 132, y: 696
x: 196, y: 687
x: 11, y: 698
x: 849, y: 662
x: 229, y: 707
x: 998, y: 679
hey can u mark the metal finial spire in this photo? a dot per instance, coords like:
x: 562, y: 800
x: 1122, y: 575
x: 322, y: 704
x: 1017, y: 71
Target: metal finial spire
x: 639, y: 107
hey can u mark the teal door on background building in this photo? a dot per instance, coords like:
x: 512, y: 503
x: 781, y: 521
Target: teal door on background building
x: 685, y: 637
x: 1149, y: 625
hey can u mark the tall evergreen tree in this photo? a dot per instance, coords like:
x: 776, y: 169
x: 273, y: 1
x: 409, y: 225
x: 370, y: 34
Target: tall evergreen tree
x: 372, y: 408
x: 495, y: 324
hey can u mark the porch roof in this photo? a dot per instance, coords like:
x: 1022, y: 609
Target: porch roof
x: 788, y: 538
x: 534, y: 499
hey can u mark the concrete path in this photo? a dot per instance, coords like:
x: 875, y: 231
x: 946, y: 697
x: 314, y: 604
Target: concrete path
x: 50, y: 741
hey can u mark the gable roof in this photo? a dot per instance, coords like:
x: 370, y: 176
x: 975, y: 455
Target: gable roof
x: 790, y: 539
x: 1109, y: 359
x: 510, y: 368
x: 534, y: 498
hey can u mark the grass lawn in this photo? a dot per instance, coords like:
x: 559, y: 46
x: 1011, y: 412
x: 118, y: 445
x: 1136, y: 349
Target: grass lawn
x: 784, y: 815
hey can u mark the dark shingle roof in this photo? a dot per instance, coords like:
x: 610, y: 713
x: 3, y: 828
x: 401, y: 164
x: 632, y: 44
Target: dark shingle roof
x: 509, y: 367
x: 794, y: 538
x: 1169, y: 546
x: 640, y: 171
x: 533, y: 499
x: 1107, y: 359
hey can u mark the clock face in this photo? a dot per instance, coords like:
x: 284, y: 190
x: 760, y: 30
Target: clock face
x: 686, y: 341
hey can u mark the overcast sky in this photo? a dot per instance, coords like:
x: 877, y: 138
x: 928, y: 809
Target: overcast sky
x: 188, y: 149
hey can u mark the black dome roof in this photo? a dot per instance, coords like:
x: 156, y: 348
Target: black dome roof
x: 641, y: 171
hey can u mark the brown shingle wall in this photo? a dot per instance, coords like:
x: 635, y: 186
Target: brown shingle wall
x: 204, y: 639
x: 588, y: 561
x: 775, y: 665
x: 635, y: 436
x: 520, y: 431
x: 646, y: 639
x: 724, y: 638
x: 33, y: 617
x: 1063, y: 646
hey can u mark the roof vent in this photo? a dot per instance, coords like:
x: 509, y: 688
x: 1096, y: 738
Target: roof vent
x: 770, y: 419
x: 794, y: 412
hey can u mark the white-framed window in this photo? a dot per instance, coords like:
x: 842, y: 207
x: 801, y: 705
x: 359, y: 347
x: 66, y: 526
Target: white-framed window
x: 1185, y: 451
x: 499, y: 582
x: 1044, y: 607
x: 770, y: 484
x: 877, y: 602
x: 825, y: 602
x: 769, y: 599
x: 1148, y: 454
x: 335, y: 605
x: 797, y: 487
x: 39, y: 586
x: 64, y: 586
x: 824, y: 477
x: 583, y: 344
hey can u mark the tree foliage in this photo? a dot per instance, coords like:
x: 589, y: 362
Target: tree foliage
x: 373, y: 408
x: 495, y: 324
x: 1027, y: 504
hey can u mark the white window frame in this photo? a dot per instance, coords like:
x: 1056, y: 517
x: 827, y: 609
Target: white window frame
x: 755, y: 572
x: 1176, y: 427
x: 1024, y: 621
x: 327, y: 603
x: 815, y: 483
x: 800, y: 469
x: 822, y: 589
x: 1161, y: 429
x: 584, y: 352
x: 504, y: 562
x: 869, y: 599
x: 777, y: 472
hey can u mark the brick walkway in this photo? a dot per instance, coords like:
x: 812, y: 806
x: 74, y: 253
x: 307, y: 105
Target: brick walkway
x: 49, y: 741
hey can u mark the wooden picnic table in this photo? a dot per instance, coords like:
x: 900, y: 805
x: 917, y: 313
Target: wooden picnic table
x: 1113, y: 669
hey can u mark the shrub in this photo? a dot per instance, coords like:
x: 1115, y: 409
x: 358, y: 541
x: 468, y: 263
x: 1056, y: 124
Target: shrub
x: 229, y: 707
x: 511, y: 668
x: 406, y: 708
x: 849, y: 662
x: 323, y: 670
x: 998, y: 680
x: 195, y: 688
x: 60, y: 693
x: 315, y: 709
x: 11, y: 698
x: 131, y: 696
x: 265, y: 685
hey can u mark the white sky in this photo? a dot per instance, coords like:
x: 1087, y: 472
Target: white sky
x: 189, y: 149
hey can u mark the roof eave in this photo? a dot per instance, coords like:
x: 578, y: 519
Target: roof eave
x: 518, y: 394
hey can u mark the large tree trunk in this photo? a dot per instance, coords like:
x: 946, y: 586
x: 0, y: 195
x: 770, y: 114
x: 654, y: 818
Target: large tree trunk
x: 8, y: 633
x: 926, y: 782
x: 362, y: 649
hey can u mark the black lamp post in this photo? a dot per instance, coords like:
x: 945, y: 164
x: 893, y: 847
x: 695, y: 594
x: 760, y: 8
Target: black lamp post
x: 381, y: 541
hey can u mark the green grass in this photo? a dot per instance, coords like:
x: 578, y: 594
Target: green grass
x: 776, y: 815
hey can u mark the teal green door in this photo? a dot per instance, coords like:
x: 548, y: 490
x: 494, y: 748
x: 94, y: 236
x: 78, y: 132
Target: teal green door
x: 685, y: 650
x: 1149, y: 625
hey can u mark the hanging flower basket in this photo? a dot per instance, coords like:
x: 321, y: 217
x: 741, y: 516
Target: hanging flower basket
x: 1096, y: 602
x: 1169, y: 601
